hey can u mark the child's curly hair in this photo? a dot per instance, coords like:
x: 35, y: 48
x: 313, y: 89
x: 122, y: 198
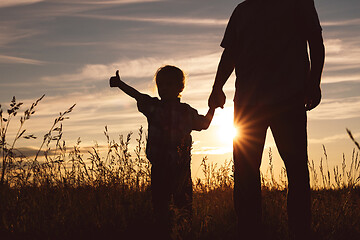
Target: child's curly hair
x: 171, y: 76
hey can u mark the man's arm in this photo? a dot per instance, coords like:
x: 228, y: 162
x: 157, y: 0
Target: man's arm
x: 115, y: 81
x: 225, y: 68
x: 317, y: 57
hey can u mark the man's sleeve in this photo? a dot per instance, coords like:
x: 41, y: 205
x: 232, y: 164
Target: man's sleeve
x: 310, y: 18
x: 146, y: 104
x: 229, y: 40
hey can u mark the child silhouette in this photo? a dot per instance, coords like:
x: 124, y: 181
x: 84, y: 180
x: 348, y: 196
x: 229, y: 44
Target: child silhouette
x: 170, y: 123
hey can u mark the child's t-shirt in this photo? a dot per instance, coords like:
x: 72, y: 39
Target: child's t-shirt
x: 169, y: 126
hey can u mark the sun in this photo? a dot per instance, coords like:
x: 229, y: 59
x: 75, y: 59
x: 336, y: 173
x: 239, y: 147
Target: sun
x: 227, y: 132
x: 224, y: 122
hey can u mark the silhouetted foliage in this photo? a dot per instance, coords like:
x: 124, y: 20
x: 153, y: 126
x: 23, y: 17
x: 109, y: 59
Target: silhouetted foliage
x: 60, y: 193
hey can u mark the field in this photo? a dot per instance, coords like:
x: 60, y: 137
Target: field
x: 58, y: 193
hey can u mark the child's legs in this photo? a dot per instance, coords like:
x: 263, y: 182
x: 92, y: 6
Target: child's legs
x: 182, y: 196
x: 161, y: 196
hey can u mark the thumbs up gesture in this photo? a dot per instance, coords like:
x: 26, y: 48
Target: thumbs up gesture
x: 115, y: 80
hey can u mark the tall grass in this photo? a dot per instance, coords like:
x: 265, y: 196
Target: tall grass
x: 59, y: 193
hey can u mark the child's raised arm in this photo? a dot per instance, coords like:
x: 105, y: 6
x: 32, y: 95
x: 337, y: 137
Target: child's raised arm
x: 115, y: 81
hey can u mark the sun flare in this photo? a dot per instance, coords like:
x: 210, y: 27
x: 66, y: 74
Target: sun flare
x: 224, y: 121
x: 227, y: 132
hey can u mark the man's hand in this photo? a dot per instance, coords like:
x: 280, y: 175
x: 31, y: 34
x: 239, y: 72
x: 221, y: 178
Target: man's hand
x: 317, y: 56
x: 217, y: 98
x: 115, y: 80
x: 312, y: 97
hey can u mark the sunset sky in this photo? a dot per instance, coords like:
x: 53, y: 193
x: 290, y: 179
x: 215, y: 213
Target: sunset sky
x: 69, y: 49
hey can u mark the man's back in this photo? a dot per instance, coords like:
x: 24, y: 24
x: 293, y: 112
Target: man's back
x: 269, y: 39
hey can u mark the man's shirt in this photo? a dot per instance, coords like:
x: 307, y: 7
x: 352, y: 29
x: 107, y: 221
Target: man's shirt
x: 269, y: 42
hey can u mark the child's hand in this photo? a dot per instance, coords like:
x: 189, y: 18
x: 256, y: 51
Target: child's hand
x: 115, y: 80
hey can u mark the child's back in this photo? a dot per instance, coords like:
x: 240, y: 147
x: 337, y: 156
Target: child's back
x: 170, y: 123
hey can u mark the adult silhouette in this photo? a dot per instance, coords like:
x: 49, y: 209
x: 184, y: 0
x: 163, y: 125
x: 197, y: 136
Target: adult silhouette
x: 269, y: 43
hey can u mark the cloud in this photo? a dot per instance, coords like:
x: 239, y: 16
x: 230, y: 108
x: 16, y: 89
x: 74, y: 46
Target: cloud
x: 19, y: 60
x: 113, y: 2
x: 347, y: 22
x: 91, y: 72
x: 342, y: 60
x: 138, y: 68
x: 53, y: 8
x: 163, y: 20
x: 10, y: 3
x: 337, y: 109
x: 92, y: 111
x: 347, y: 54
x: 341, y: 90
x: 332, y: 139
x: 333, y: 46
x: 10, y: 33
x: 74, y: 44
x: 341, y: 77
